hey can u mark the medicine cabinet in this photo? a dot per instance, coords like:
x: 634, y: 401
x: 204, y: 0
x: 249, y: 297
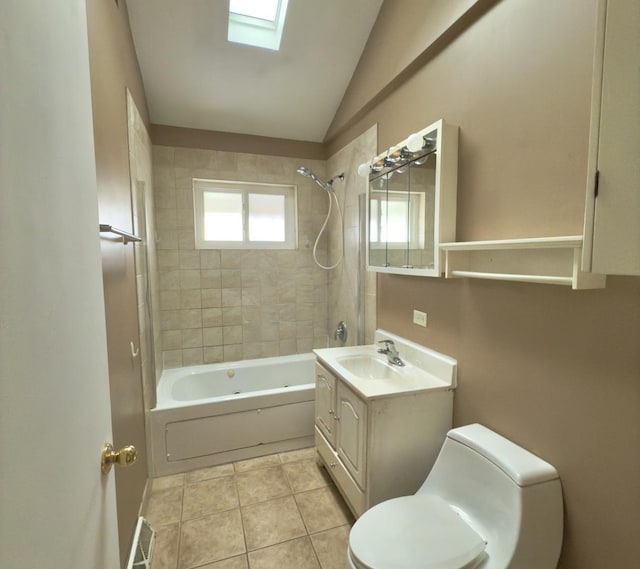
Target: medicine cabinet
x: 411, y: 202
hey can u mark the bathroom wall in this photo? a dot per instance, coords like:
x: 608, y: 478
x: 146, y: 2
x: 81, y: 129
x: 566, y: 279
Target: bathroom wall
x: 227, y: 305
x: 352, y: 290
x: 556, y: 370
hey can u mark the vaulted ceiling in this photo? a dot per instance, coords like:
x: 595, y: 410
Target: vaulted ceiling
x: 195, y: 78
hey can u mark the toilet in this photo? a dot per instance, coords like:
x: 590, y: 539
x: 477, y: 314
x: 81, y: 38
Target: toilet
x: 486, y: 504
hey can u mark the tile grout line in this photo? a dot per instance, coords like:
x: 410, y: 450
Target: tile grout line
x: 244, y: 533
x: 179, y: 547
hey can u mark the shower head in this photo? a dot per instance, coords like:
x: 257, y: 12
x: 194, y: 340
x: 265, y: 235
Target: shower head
x: 326, y: 186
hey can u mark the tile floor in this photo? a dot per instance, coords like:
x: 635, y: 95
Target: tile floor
x: 280, y: 511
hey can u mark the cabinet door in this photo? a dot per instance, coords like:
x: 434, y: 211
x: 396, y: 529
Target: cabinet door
x: 351, y: 434
x: 325, y: 403
x: 612, y: 219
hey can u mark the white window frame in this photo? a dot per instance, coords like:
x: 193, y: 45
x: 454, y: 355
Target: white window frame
x: 258, y: 32
x: 289, y: 192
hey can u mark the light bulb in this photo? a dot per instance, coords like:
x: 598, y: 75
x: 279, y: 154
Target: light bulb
x: 364, y: 169
x: 415, y: 142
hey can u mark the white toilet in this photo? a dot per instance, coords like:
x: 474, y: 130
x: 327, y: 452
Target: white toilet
x: 487, y: 504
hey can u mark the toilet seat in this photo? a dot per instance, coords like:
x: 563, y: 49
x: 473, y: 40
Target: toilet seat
x: 414, y: 532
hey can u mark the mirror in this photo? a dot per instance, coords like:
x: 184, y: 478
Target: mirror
x: 411, y: 202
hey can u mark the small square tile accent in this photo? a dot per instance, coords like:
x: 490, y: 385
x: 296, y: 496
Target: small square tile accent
x: 306, y: 475
x: 211, y: 538
x: 211, y: 297
x: 212, y: 336
x: 165, y: 551
x: 213, y: 354
x: 331, y: 546
x: 261, y: 485
x: 172, y: 339
x: 192, y: 356
x: 190, y: 298
x: 192, y: 338
x: 323, y: 509
x: 209, y: 496
x: 268, y: 523
x: 164, y: 507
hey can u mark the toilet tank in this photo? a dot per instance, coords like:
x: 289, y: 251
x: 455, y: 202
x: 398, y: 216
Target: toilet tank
x: 512, y: 498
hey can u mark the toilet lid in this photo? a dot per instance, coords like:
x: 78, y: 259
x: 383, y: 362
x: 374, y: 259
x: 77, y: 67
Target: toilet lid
x: 415, y: 532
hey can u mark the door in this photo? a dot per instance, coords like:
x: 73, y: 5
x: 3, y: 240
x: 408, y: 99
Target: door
x: 58, y: 509
x: 325, y: 403
x: 351, y: 433
x: 111, y: 73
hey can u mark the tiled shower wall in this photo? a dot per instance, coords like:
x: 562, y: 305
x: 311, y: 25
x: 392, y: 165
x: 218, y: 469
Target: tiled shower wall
x: 147, y: 285
x: 352, y: 290
x: 228, y: 305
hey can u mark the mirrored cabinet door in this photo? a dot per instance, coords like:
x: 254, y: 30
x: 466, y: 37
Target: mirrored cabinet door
x: 377, y: 213
x: 396, y: 230
x: 421, y: 213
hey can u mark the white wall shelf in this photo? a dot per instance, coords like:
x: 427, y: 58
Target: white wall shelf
x: 546, y: 260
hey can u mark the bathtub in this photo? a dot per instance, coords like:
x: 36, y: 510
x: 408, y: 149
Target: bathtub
x: 212, y: 414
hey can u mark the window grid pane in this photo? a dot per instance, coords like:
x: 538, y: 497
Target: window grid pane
x: 223, y: 216
x: 261, y: 9
x: 266, y: 217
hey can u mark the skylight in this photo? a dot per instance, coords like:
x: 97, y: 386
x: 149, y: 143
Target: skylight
x: 257, y: 22
x: 261, y: 9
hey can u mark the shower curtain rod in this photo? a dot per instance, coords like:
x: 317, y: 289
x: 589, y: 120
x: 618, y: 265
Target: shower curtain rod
x: 126, y: 237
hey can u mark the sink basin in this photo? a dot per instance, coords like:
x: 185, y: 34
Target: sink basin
x: 368, y: 367
x: 370, y: 374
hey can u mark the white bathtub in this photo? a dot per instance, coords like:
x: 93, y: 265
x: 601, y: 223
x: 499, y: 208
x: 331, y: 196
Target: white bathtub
x: 212, y: 414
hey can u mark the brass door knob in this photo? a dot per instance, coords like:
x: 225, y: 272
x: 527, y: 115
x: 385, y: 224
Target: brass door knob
x: 126, y: 456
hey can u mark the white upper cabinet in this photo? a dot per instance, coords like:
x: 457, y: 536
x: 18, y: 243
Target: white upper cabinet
x: 612, y: 216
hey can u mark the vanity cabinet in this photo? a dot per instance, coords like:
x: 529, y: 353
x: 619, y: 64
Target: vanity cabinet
x: 351, y: 419
x: 377, y: 448
x: 612, y: 216
x: 325, y: 404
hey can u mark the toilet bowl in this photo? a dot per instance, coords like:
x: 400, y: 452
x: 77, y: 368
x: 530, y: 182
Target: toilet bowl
x: 486, y: 504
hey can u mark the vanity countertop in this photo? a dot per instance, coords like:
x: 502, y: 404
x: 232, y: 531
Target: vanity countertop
x: 368, y: 372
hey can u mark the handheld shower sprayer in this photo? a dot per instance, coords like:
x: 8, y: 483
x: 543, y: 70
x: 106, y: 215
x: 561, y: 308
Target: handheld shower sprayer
x: 327, y: 187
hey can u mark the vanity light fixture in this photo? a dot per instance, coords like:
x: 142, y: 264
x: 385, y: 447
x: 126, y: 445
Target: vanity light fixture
x: 416, y: 143
x: 364, y: 169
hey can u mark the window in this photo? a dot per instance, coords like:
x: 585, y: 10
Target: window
x: 260, y: 9
x: 243, y: 215
x: 257, y: 22
x: 397, y: 219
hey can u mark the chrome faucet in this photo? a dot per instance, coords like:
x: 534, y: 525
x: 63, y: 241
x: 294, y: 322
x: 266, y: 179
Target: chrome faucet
x: 393, y: 357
